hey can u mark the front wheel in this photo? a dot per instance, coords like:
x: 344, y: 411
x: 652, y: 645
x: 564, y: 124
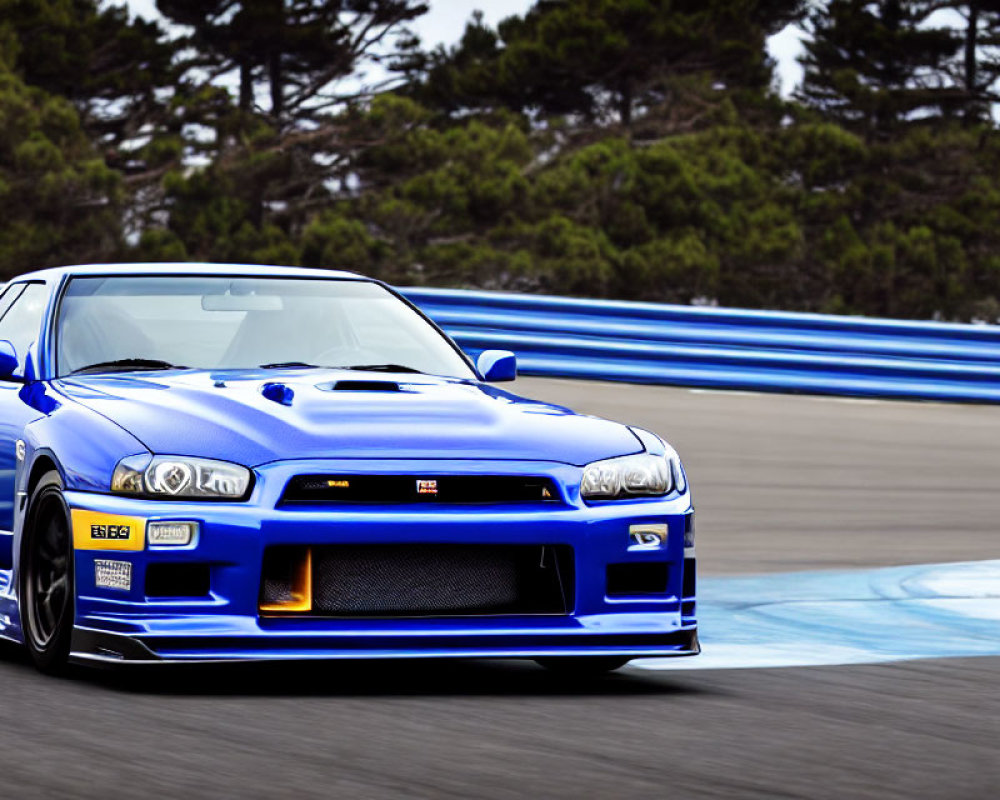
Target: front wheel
x: 583, y: 666
x: 46, y: 577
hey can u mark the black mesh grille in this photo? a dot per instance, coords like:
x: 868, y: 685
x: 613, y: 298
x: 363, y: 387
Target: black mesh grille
x: 452, y: 489
x: 277, y: 583
x: 432, y: 580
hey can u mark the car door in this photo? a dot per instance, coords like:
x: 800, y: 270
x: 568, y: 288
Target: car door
x: 22, y: 307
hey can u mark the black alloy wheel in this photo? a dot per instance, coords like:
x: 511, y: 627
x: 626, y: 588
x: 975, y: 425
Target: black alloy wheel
x: 46, y: 577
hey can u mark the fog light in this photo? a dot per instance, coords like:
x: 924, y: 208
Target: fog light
x: 175, y: 534
x: 648, y: 535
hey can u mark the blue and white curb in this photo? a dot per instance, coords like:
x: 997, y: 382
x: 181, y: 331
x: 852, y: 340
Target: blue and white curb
x: 849, y: 617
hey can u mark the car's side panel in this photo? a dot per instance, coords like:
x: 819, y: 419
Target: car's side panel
x: 21, y: 322
x: 84, y: 448
x: 15, y: 414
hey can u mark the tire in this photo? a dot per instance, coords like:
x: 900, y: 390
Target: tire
x: 46, y: 586
x: 583, y: 666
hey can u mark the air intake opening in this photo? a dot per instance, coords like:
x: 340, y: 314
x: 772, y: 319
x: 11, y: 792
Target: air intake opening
x: 178, y: 580
x: 366, y: 386
x: 688, y: 592
x: 418, y: 580
x: 630, y: 580
x: 690, y: 571
x: 286, y: 583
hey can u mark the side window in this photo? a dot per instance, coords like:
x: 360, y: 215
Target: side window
x: 22, y: 322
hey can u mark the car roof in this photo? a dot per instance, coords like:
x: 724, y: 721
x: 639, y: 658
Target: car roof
x: 185, y: 268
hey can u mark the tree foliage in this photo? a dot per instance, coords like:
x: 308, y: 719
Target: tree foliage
x: 297, y: 48
x: 107, y: 65
x: 614, y: 148
x: 601, y: 57
x: 874, y: 65
x: 57, y: 196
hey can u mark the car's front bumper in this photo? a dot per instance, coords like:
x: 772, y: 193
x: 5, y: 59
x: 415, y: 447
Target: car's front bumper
x: 116, y: 624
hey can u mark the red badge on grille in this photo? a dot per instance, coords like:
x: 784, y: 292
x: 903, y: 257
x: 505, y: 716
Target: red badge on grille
x: 427, y: 487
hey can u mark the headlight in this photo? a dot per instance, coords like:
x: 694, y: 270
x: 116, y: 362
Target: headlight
x: 631, y: 476
x: 176, y: 476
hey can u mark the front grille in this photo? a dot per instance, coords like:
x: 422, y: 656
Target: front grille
x: 450, y: 489
x: 415, y: 580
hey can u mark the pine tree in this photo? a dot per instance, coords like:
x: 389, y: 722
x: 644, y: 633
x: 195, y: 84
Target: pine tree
x: 975, y: 69
x: 299, y: 49
x: 875, y: 65
x: 606, y: 58
x: 59, y: 202
x: 106, y: 64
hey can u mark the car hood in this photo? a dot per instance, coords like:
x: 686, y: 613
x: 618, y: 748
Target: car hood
x: 257, y: 417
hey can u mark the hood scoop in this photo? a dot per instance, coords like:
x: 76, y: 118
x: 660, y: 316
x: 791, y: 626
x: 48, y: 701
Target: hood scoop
x: 363, y: 386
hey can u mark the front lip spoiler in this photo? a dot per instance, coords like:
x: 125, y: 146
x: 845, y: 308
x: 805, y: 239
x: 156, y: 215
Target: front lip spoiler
x: 91, y: 646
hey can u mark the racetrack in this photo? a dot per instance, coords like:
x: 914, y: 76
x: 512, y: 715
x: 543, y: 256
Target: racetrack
x: 782, y: 484
x: 785, y: 482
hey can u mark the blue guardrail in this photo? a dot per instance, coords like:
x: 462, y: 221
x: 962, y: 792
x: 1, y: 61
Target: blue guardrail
x: 723, y: 348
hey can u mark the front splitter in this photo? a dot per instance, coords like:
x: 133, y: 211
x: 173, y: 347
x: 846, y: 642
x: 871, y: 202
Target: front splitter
x: 94, y: 646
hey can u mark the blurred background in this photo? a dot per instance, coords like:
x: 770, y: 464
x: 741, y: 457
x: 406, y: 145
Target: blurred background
x: 835, y: 156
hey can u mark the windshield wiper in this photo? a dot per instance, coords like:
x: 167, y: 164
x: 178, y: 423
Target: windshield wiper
x: 380, y: 368
x: 288, y: 365
x: 126, y: 364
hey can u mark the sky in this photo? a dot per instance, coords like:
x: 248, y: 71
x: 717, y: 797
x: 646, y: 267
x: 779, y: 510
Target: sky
x: 445, y: 22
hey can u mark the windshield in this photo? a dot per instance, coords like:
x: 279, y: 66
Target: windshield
x: 220, y: 323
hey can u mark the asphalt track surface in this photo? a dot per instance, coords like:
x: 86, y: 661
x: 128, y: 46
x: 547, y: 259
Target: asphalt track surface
x: 782, y: 484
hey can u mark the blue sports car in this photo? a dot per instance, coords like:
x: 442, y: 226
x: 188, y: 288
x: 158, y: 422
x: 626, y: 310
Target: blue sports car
x: 207, y: 462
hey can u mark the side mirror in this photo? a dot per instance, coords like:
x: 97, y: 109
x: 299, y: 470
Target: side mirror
x: 497, y: 365
x: 8, y: 359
